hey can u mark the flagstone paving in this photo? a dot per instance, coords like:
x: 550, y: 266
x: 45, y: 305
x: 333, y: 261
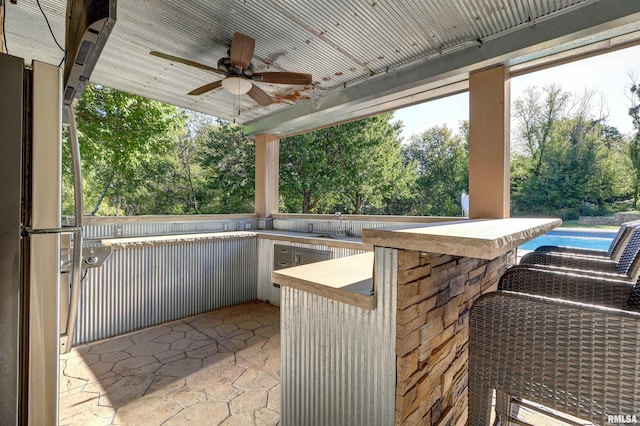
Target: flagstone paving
x: 217, y: 368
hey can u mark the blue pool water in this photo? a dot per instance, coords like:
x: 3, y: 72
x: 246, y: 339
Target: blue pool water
x: 582, y: 239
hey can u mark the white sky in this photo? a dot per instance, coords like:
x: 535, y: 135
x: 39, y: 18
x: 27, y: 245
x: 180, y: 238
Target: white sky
x: 609, y: 74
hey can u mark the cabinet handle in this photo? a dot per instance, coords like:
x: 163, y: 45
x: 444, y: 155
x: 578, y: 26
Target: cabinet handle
x: 297, y: 259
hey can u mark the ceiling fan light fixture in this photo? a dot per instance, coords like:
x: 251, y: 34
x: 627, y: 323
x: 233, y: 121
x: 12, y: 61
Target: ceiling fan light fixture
x: 236, y: 85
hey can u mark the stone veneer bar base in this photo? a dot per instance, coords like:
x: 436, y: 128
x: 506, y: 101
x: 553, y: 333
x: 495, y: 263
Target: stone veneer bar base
x: 435, y: 294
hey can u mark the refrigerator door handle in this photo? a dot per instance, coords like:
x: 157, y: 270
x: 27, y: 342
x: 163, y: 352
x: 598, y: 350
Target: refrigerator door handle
x: 63, y: 230
x: 66, y: 340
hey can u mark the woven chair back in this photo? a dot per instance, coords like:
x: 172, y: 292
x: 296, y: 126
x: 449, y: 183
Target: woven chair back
x: 629, y: 255
x: 620, y: 240
x: 622, y: 231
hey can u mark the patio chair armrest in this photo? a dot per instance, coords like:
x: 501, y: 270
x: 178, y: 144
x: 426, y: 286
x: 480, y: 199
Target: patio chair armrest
x: 572, y: 251
x: 579, y: 359
x: 584, y: 272
x: 563, y: 285
x: 570, y: 262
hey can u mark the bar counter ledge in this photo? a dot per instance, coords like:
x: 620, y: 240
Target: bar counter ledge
x: 383, y: 339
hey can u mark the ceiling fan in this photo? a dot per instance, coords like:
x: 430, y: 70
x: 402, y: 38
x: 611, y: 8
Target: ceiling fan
x: 239, y: 72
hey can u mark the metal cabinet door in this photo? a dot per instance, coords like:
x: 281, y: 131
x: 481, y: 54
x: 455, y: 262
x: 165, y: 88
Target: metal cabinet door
x: 283, y: 253
x: 305, y: 256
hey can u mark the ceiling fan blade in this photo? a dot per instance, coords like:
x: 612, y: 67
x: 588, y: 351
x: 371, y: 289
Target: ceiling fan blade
x: 185, y: 61
x: 283, y: 77
x: 242, y: 50
x: 260, y: 96
x: 206, y: 88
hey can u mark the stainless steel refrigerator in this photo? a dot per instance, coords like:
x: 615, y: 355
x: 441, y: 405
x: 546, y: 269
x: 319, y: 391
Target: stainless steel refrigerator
x: 30, y: 228
x: 37, y: 312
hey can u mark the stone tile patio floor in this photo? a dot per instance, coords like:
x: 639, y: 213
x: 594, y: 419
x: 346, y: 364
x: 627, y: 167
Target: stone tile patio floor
x: 220, y: 367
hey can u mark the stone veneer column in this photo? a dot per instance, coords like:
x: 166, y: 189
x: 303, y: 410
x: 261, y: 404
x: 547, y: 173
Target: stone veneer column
x: 435, y: 294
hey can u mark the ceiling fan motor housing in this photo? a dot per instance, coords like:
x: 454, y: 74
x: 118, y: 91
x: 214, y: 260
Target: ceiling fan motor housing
x: 249, y: 71
x: 224, y: 65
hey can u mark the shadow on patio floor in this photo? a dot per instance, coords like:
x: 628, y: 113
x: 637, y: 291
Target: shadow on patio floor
x: 221, y: 367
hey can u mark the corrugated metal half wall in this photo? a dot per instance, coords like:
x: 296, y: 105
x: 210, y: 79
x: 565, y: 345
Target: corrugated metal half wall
x: 338, y: 361
x: 144, y: 285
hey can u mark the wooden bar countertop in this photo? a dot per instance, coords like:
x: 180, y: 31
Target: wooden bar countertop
x: 478, y: 238
x: 350, y: 279
x: 346, y: 279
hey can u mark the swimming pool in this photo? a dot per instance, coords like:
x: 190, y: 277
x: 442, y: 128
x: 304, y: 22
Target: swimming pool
x: 583, y: 239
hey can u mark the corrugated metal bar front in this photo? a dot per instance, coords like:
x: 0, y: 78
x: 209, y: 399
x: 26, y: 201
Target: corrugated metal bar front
x: 144, y: 285
x: 338, y: 361
x: 266, y: 290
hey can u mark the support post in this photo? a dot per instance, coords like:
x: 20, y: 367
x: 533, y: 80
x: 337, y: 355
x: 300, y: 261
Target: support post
x: 267, y: 174
x: 489, y: 148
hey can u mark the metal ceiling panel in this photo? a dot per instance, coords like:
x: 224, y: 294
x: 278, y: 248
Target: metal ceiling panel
x: 615, y: 21
x: 340, y: 42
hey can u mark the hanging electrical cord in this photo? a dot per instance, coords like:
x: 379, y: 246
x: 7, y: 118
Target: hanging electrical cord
x: 4, y: 32
x: 49, y: 25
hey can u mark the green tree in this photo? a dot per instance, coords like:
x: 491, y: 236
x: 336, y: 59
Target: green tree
x: 372, y: 167
x: 566, y: 160
x: 537, y: 112
x: 442, y: 160
x: 634, y: 145
x: 227, y: 160
x: 352, y: 167
x: 306, y: 176
x: 126, y: 143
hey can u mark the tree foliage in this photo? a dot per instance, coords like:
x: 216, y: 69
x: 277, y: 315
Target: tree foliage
x: 227, y: 160
x: 124, y: 142
x: 634, y: 145
x: 145, y: 157
x: 566, y: 160
x: 353, y: 167
x: 442, y: 161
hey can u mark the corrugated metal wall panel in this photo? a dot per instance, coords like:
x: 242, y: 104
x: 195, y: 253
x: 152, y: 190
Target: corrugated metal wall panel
x: 266, y: 291
x: 338, y: 361
x: 145, y: 285
x: 107, y: 229
x: 332, y: 226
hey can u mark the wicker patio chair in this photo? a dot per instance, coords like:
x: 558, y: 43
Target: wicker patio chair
x: 613, y: 253
x: 558, y: 284
x: 577, y: 357
x: 606, y: 267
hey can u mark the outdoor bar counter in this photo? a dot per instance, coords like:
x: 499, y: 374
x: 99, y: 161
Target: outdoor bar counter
x: 383, y: 339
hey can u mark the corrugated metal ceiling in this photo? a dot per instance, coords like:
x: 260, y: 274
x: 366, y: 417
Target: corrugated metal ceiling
x: 339, y: 42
